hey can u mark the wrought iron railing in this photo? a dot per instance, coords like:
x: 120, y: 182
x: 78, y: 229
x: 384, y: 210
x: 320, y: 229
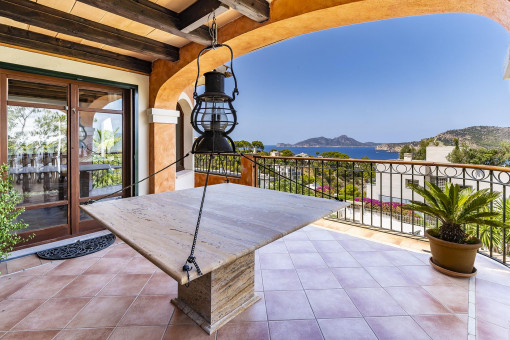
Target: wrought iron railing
x: 220, y: 164
x: 377, y: 191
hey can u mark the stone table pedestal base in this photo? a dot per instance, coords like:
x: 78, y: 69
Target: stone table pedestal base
x: 214, y: 299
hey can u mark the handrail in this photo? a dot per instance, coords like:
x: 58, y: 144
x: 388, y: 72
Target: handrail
x: 350, y: 160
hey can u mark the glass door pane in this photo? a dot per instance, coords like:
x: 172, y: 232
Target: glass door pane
x: 100, y: 153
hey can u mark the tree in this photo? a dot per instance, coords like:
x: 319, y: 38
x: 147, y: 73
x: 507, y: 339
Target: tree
x: 243, y: 146
x: 482, y: 156
x: 334, y: 154
x: 406, y: 149
x: 286, y: 153
x: 258, y: 145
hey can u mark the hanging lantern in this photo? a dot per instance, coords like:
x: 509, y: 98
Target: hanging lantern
x: 213, y: 116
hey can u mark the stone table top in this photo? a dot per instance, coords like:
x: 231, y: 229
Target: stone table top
x: 236, y: 220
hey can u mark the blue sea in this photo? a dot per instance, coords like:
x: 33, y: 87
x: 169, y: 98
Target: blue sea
x: 352, y: 151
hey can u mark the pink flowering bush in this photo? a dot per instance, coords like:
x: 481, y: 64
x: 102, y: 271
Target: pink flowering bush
x: 395, y: 208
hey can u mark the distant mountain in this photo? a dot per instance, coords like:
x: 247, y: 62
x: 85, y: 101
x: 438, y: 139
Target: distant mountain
x: 342, y: 140
x: 474, y: 136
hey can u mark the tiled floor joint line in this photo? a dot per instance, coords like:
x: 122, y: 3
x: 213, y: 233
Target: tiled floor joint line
x: 472, y: 309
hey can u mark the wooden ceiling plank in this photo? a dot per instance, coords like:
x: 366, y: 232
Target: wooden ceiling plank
x: 150, y: 14
x: 199, y: 13
x: 257, y: 10
x: 13, y: 36
x: 48, y: 18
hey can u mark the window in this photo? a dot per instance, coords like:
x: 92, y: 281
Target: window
x: 413, y: 181
x: 179, y: 139
x: 439, y: 181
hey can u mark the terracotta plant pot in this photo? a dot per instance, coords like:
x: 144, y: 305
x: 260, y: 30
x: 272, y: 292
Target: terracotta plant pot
x: 454, y: 257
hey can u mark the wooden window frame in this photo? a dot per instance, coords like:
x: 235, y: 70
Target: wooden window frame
x: 129, y: 133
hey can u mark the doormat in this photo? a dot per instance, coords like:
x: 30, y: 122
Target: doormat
x: 77, y: 249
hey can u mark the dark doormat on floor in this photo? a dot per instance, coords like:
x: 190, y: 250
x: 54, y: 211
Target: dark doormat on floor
x: 77, y: 249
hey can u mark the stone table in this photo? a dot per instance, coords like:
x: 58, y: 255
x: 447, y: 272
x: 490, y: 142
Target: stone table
x: 236, y: 221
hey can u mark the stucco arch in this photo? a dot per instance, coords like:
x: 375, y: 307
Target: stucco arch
x: 186, y: 103
x: 290, y: 18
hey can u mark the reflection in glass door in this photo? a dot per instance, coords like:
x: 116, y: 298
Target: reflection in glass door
x: 65, y: 143
x: 37, y: 151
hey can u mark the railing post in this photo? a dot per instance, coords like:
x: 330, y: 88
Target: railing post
x: 248, y: 171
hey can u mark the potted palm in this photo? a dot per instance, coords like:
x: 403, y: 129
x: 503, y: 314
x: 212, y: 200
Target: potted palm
x: 454, y: 250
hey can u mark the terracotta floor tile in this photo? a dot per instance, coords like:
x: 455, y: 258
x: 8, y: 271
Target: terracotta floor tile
x: 53, y: 314
x: 122, y: 250
x: 84, y: 334
x: 22, y: 263
x: 295, y: 330
x: 108, y: 266
x: 493, y: 311
x: 73, y: 266
x: 490, y: 290
x: 12, y: 283
x: 282, y: 261
x: 356, y: 245
x: 30, y: 335
x: 287, y: 305
x: 454, y: 298
x: 300, y: 247
x: 319, y: 235
x: 43, y: 287
x: 256, y: 312
x: 13, y: 311
x: 125, y: 285
x: 274, y: 248
x: 188, y: 332
x: 139, y: 265
x: 331, y: 303
x: 296, y: 236
x: 425, y: 275
x: 371, y: 258
x: 42, y: 269
x: 440, y: 327
x: 374, y: 302
x: 149, y: 311
x: 160, y: 284
x: 396, y: 328
x: 179, y: 318
x: 86, y: 285
x: 318, y: 278
x: 390, y: 277
x: 138, y: 332
x: 281, y: 279
x: 346, y: 329
x: 489, y: 331
x: 308, y: 260
x: 104, y: 311
x: 416, y: 300
x: 401, y: 258
x: 245, y: 331
x: 328, y: 246
x: 354, y: 278
x: 335, y: 260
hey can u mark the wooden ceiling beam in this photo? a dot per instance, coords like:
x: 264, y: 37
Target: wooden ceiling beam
x: 257, y: 10
x: 32, y: 13
x: 153, y: 15
x: 200, y: 13
x: 17, y: 37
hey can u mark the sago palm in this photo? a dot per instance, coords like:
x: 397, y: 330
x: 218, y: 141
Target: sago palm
x: 454, y: 207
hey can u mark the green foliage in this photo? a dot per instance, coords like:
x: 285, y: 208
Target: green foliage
x: 258, y: 145
x: 406, y: 149
x: 9, y: 214
x: 352, y: 190
x: 483, y: 156
x: 286, y: 153
x: 334, y: 154
x: 243, y: 146
x: 455, y: 207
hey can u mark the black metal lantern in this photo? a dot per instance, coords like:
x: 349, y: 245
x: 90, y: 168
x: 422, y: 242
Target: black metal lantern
x: 213, y: 116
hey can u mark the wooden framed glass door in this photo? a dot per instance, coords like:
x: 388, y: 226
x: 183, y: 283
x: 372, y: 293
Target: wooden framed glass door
x: 65, y: 143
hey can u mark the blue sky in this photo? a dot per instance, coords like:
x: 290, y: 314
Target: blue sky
x: 387, y: 81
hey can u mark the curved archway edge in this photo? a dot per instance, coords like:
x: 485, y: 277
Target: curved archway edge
x: 291, y: 18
